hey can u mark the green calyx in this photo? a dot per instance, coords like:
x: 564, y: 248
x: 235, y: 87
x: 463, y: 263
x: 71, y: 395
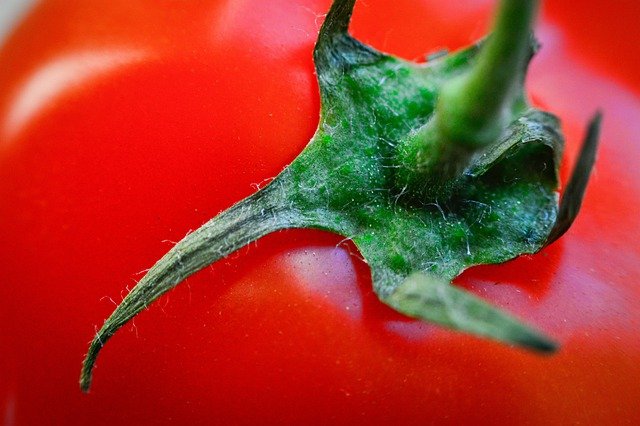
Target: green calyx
x: 397, y: 167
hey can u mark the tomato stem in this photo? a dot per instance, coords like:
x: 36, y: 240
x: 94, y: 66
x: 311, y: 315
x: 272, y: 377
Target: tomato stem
x: 473, y: 109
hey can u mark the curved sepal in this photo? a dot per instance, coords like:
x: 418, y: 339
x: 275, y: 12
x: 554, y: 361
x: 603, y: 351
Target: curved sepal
x: 430, y: 298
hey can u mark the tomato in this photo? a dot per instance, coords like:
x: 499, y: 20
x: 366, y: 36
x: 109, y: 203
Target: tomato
x: 123, y: 125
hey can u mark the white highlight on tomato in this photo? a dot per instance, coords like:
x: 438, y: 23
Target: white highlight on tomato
x: 61, y: 77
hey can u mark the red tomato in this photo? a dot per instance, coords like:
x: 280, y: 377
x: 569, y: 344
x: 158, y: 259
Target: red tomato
x: 123, y: 125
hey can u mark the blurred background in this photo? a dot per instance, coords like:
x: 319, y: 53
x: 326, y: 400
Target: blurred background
x: 10, y: 12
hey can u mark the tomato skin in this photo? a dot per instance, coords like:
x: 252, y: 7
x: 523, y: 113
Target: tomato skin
x: 173, y: 111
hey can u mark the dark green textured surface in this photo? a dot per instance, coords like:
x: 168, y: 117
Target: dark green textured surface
x: 346, y: 181
x: 349, y: 180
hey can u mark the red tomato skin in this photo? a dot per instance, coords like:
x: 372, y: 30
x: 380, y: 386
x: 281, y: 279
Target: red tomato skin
x: 151, y: 117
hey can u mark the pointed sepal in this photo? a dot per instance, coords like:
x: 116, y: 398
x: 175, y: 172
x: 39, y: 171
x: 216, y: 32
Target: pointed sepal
x: 430, y: 298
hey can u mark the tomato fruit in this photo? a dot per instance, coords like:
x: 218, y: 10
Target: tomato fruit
x: 125, y: 125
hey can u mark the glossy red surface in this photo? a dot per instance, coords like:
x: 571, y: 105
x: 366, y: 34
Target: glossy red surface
x: 123, y: 125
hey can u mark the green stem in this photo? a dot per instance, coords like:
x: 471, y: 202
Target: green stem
x: 473, y: 109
